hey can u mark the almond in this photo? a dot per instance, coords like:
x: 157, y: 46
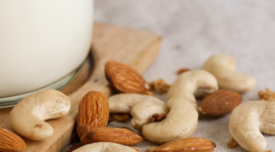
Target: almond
x: 186, y: 145
x: 93, y: 112
x: 115, y: 135
x: 10, y: 142
x: 220, y: 103
x: 125, y: 79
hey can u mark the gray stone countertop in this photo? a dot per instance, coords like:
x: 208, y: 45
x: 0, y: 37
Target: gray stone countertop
x: 193, y: 30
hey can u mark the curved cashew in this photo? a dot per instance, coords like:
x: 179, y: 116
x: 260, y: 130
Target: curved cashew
x: 248, y: 120
x: 223, y: 67
x: 142, y: 112
x: 124, y: 102
x: 182, y: 119
x: 141, y: 107
x: 105, y: 147
x: 27, y: 117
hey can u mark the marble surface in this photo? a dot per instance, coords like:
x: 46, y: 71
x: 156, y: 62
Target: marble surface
x: 193, y: 30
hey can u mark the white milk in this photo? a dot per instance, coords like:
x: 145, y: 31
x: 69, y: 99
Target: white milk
x: 41, y: 41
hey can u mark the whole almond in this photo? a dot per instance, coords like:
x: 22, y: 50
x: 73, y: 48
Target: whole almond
x: 115, y: 135
x: 93, y: 112
x: 125, y: 79
x: 220, y: 103
x: 10, y: 142
x: 186, y: 145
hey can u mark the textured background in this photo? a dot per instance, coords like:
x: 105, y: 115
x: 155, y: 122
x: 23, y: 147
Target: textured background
x: 192, y: 30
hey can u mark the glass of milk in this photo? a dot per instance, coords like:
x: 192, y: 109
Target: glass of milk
x: 41, y: 42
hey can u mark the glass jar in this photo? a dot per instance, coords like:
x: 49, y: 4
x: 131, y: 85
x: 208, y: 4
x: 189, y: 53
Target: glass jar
x: 42, y: 42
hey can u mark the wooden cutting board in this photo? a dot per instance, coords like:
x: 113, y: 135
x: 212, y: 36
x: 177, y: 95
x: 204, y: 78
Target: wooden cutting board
x: 133, y: 47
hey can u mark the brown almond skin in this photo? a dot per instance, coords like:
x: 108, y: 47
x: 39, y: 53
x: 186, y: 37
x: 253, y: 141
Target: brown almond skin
x: 125, y: 79
x: 93, y: 112
x: 115, y: 135
x: 188, y: 145
x: 220, y: 103
x: 10, y: 142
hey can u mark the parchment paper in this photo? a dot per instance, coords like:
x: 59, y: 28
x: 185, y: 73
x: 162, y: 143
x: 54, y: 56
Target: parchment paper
x: 193, y: 30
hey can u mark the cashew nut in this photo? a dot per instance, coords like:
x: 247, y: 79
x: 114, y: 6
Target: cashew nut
x: 105, y: 147
x: 182, y: 119
x: 248, y: 120
x: 124, y: 102
x: 142, y: 112
x: 28, y: 116
x: 144, y: 107
x: 223, y: 67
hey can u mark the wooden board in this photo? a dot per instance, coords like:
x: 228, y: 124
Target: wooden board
x: 133, y: 47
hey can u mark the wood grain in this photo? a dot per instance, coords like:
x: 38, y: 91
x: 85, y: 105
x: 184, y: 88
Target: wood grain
x: 133, y: 47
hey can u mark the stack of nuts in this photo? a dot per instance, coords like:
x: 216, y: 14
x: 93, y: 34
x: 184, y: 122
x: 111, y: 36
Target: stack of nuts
x: 170, y: 124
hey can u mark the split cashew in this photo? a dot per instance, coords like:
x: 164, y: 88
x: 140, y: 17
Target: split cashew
x: 223, y: 67
x: 248, y: 120
x: 27, y: 117
x: 105, y: 147
x: 182, y: 119
x: 141, y: 107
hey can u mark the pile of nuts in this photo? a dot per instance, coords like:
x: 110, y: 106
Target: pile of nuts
x: 170, y: 124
